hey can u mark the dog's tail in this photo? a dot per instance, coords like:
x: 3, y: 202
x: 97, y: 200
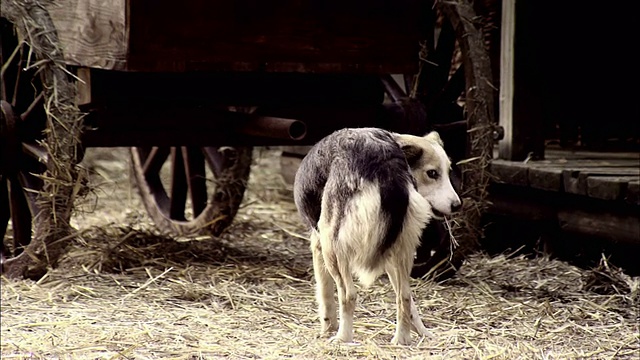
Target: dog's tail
x: 417, y: 213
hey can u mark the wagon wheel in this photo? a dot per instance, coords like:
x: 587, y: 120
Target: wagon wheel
x: 22, y: 121
x: 34, y: 78
x: 454, y: 84
x: 190, y: 190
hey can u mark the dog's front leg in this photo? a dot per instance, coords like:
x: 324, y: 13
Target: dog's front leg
x: 400, y: 282
x: 325, y: 288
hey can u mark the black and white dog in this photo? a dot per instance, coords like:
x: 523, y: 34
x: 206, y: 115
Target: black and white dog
x: 367, y: 194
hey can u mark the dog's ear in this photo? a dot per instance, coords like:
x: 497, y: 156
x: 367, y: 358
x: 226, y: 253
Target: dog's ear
x: 412, y: 153
x: 435, y: 137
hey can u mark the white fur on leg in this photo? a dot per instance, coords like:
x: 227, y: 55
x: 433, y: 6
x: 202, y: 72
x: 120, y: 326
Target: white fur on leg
x: 416, y: 321
x: 347, y: 307
x: 325, y: 289
x: 345, y: 327
x: 404, y: 320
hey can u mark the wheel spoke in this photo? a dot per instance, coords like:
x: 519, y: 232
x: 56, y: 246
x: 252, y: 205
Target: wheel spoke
x: 16, y: 86
x: 216, y: 159
x: 196, y: 178
x: 35, y: 151
x: 154, y: 160
x: 178, y: 185
x: 454, y: 88
x: 20, y: 215
x: 32, y: 106
x: 31, y: 185
x: 443, y: 56
x: 5, y: 211
x: 189, y: 173
x: 445, y: 108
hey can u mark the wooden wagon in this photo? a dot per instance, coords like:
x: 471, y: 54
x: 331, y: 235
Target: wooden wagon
x: 197, y: 84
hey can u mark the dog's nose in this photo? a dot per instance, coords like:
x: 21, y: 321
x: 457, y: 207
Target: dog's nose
x: 456, y: 206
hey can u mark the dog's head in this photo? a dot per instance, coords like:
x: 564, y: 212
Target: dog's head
x: 431, y: 169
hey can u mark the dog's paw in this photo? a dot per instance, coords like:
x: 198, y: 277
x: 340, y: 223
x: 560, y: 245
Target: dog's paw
x: 401, y: 339
x: 325, y: 334
x: 422, y: 331
x: 342, y: 338
x: 328, y: 327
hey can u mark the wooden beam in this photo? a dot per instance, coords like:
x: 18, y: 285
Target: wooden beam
x: 609, y: 187
x: 92, y: 33
x: 617, y: 222
x: 522, y: 88
x: 83, y: 96
x: 508, y: 27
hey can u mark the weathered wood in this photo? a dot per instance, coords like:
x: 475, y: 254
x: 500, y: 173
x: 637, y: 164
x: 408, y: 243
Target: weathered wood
x: 553, y: 152
x: 523, y: 208
x: 505, y: 112
x: 84, y: 94
x: 617, y: 222
x: 509, y: 172
x: 610, y: 163
x: 92, y: 33
x: 624, y: 228
x: 563, y: 172
x: 546, y: 178
x: 575, y: 178
x: 633, y: 192
x: 520, y: 106
x: 373, y: 36
x: 609, y: 187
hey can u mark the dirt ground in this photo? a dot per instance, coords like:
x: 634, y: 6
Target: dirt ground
x: 124, y: 291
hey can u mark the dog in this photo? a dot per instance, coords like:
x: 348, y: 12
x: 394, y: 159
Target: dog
x: 366, y: 194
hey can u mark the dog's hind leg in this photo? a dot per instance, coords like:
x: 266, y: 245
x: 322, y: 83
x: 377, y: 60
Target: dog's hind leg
x: 407, y: 315
x: 416, y: 321
x: 341, y: 274
x: 400, y: 282
x: 325, y: 288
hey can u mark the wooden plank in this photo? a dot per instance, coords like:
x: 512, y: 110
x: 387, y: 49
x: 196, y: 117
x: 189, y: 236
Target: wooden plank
x: 546, y: 178
x: 601, y: 224
x: 572, y: 214
x: 521, y: 89
x: 509, y: 172
x: 633, y: 192
x: 353, y: 36
x: 84, y: 94
x: 588, y: 163
x: 507, y: 42
x: 521, y: 207
x: 92, y: 33
x: 558, y: 153
x: 575, y: 179
x: 609, y: 187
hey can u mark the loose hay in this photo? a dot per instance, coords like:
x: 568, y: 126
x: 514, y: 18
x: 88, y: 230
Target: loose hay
x: 125, y: 292
x: 62, y: 180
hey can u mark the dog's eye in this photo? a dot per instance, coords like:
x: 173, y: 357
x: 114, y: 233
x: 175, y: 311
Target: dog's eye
x: 432, y: 174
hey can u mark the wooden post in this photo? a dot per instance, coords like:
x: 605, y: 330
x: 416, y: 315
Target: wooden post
x: 507, y: 37
x: 521, y: 82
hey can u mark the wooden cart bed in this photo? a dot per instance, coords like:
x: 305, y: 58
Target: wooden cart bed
x: 374, y: 36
